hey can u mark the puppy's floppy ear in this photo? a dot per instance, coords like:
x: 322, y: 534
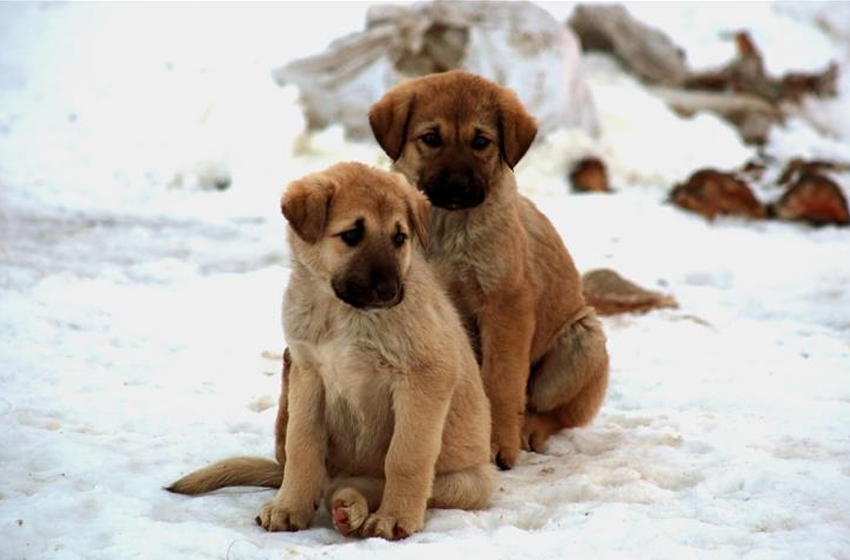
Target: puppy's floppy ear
x: 305, y: 205
x: 389, y: 117
x: 418, y: 210
x: 517, y: 128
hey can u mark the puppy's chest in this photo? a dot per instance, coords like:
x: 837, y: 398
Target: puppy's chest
x: 355, y: 377
x: 467, y: 261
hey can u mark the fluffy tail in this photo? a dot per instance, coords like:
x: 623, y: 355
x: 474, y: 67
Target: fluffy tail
x: 236, y: 471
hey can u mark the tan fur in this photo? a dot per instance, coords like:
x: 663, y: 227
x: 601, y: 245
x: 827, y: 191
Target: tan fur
x: 542, y: 350
x: 386, y: 413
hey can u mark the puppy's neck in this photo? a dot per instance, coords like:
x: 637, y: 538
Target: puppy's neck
x: 311, y: 306
x: 313, y: 317
x: 449, y: 228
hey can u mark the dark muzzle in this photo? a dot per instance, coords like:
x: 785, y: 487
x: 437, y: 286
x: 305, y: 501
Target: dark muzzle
x: 375, y: 287
x: 454, y: 190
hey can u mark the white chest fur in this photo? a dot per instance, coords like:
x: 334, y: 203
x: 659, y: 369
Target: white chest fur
x: 358, y: 354
x: 357, y: 401
x: 349, y: 372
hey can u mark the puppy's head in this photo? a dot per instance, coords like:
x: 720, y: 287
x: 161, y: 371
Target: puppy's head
x: 453, y: 135
x: 353, y: 227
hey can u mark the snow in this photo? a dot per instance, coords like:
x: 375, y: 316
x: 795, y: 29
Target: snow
x: 139, y: 306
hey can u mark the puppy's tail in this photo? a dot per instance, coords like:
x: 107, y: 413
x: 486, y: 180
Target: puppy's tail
x: 236, y: 471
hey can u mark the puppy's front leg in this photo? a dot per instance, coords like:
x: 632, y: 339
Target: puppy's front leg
x: 282, y: 410
x: 507, y: 329
x: 305, y: 474
x: 420, y: 410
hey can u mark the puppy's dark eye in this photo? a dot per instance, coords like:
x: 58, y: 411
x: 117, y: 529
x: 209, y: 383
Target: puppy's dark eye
x: 399, y: 238
x: 480, y: 142
x: 352, y: 237
x: 432, y: 139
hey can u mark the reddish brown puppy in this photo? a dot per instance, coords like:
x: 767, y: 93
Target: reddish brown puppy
x: 542, y: 350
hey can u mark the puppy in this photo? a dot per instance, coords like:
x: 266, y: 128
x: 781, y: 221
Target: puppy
x: 542, y: 350
x: 386, y: 411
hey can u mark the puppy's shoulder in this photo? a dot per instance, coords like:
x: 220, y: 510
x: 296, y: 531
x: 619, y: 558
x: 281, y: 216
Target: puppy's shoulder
x: 432, y: 318
x: 430, y: 304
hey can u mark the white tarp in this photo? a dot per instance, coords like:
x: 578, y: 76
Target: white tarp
x: 516, y: 44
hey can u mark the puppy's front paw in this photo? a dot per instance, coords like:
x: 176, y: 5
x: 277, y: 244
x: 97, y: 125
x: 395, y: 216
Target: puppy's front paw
x: 274, y: 517
x: 391, y: 527
x: 505, y: 456
x: 504, y: 445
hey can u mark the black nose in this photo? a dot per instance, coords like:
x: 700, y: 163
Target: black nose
x: 457, y: 185
x: 454, y: 190
x: 377, y: 288
x: 386, y: 287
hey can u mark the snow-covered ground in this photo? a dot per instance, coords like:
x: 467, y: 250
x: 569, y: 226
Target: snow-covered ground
x: 139, y: 308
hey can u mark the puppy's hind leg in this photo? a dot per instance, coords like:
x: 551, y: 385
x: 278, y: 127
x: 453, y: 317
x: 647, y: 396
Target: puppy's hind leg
x: 351, y: 501
x: 568, y: 385
x: 467, y: 489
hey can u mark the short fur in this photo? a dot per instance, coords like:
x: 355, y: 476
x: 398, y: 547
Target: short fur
x: 542, y: 350
x: 386, y: 413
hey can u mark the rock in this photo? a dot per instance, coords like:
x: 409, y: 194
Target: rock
x: 740, y: 91
x: 797, y: 167
x: 750, y: 114
x: 796, y: 85
x: 813, y: 198
x: 589, y: 175
x: 754, y: 168
x: 648, y: 52
x: 710, y: 192
x: 743, y: 74
x: 610, y: 294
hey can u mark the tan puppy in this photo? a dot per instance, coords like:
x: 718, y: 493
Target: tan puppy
x: 457, y: 137
x: 386, y: 409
